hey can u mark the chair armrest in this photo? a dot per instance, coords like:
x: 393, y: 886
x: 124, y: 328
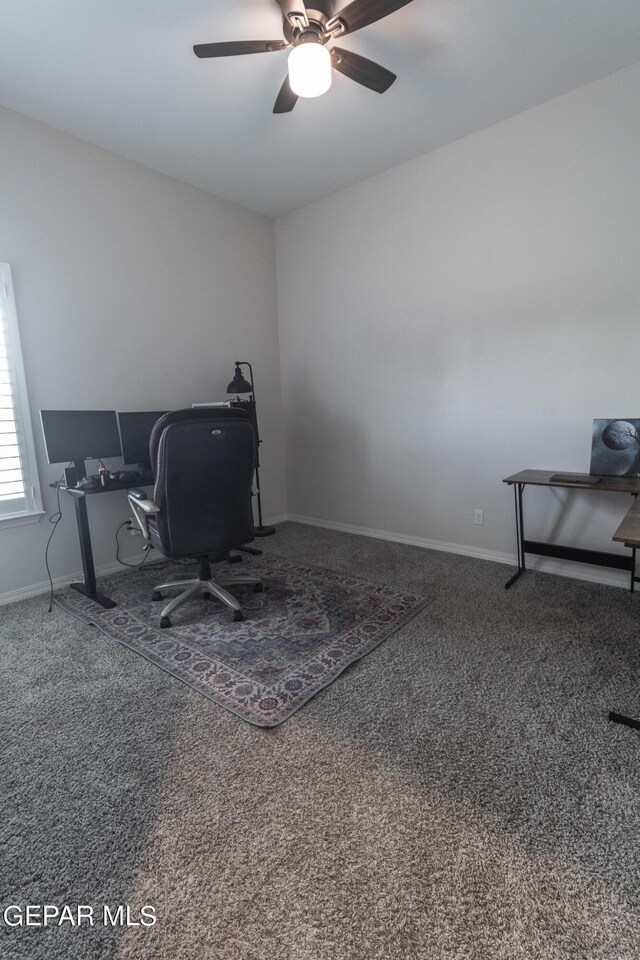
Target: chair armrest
x: 142, y: 509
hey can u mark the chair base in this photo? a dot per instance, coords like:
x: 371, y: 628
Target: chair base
x: 203, y: 588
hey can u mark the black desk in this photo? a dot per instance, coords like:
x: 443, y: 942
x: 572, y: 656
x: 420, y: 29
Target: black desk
x: 88, y: 587
x: 542, y: 478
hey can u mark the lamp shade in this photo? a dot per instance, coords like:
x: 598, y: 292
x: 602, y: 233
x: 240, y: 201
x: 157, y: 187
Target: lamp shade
x: 239, y: 384
x: 309, y: 69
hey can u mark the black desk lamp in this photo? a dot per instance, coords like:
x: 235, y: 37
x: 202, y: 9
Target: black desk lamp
x: 240, y: 385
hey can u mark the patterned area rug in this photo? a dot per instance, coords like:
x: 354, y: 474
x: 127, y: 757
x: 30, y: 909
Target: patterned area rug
x: 298, y: 636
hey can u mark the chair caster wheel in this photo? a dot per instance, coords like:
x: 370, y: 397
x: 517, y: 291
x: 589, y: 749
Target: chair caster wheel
x: 238, y: 615
x: 156, y: 595
x: 165, y: 622
x: 258, y: 588
x: 234, y: 558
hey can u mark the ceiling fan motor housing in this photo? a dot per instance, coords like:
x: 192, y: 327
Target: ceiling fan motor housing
x: 311, y: 34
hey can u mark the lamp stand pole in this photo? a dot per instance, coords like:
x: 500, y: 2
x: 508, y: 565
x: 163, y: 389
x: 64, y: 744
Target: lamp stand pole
x: 261, y: 530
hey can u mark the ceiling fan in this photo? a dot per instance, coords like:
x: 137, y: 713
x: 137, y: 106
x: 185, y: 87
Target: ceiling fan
x: 307, y: 29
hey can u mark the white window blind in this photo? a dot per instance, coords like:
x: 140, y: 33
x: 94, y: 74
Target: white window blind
x: 19, y: 487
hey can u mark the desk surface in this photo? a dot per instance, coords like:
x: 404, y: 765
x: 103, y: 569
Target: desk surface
x: 112, y: 485
x: 629, y: 530
x: 542, y: 478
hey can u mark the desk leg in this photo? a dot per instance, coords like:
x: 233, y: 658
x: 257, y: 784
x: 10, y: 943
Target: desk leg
x: 517, y: 492
x: 88, y: 588
x: 627, y: 721
x: 633, y: 569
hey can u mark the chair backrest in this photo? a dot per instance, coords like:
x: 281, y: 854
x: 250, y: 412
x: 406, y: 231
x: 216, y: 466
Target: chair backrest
x: 204, y: 461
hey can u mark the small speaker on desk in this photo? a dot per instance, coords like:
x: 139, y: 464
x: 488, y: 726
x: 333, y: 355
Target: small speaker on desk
x: 72, y: 476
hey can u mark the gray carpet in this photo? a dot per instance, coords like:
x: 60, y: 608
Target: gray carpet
x: 484, y: 808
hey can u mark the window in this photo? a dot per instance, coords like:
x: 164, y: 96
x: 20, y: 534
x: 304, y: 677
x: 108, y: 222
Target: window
x: 19, y: 488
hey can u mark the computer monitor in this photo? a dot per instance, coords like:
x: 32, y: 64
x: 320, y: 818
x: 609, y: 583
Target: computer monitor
x: 135, y: 430
x: 79, y: 435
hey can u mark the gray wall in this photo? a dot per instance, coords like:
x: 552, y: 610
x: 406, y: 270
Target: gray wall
x: 134, y: 292
x: 438, y: 327
x: 465, y: 316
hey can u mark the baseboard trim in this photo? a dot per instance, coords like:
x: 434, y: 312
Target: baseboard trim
x: 575, y: 571
x: 272, y: 521
x: 428, y: 544
x: 37, y: 589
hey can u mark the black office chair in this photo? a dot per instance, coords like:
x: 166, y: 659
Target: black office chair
x: 201, y: 509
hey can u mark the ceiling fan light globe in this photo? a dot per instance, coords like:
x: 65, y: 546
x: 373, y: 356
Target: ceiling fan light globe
x: 309, y: 69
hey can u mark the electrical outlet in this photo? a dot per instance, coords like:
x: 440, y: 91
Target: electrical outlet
x: 135, y: 530
x: 478, y: 517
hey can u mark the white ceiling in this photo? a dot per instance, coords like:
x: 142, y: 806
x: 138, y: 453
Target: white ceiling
x: 122, y: 74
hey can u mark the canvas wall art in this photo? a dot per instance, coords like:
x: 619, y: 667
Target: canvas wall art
x: 615, y: 448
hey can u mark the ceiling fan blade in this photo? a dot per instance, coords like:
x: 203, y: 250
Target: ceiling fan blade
x: 360, y: 13
x: 236, y: 47
x: 286, y: 99
x: 363, y: 71
x: 293, y: 10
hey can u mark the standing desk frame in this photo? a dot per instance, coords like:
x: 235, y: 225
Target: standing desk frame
x: 541, y: 478
x: 88, y: 587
